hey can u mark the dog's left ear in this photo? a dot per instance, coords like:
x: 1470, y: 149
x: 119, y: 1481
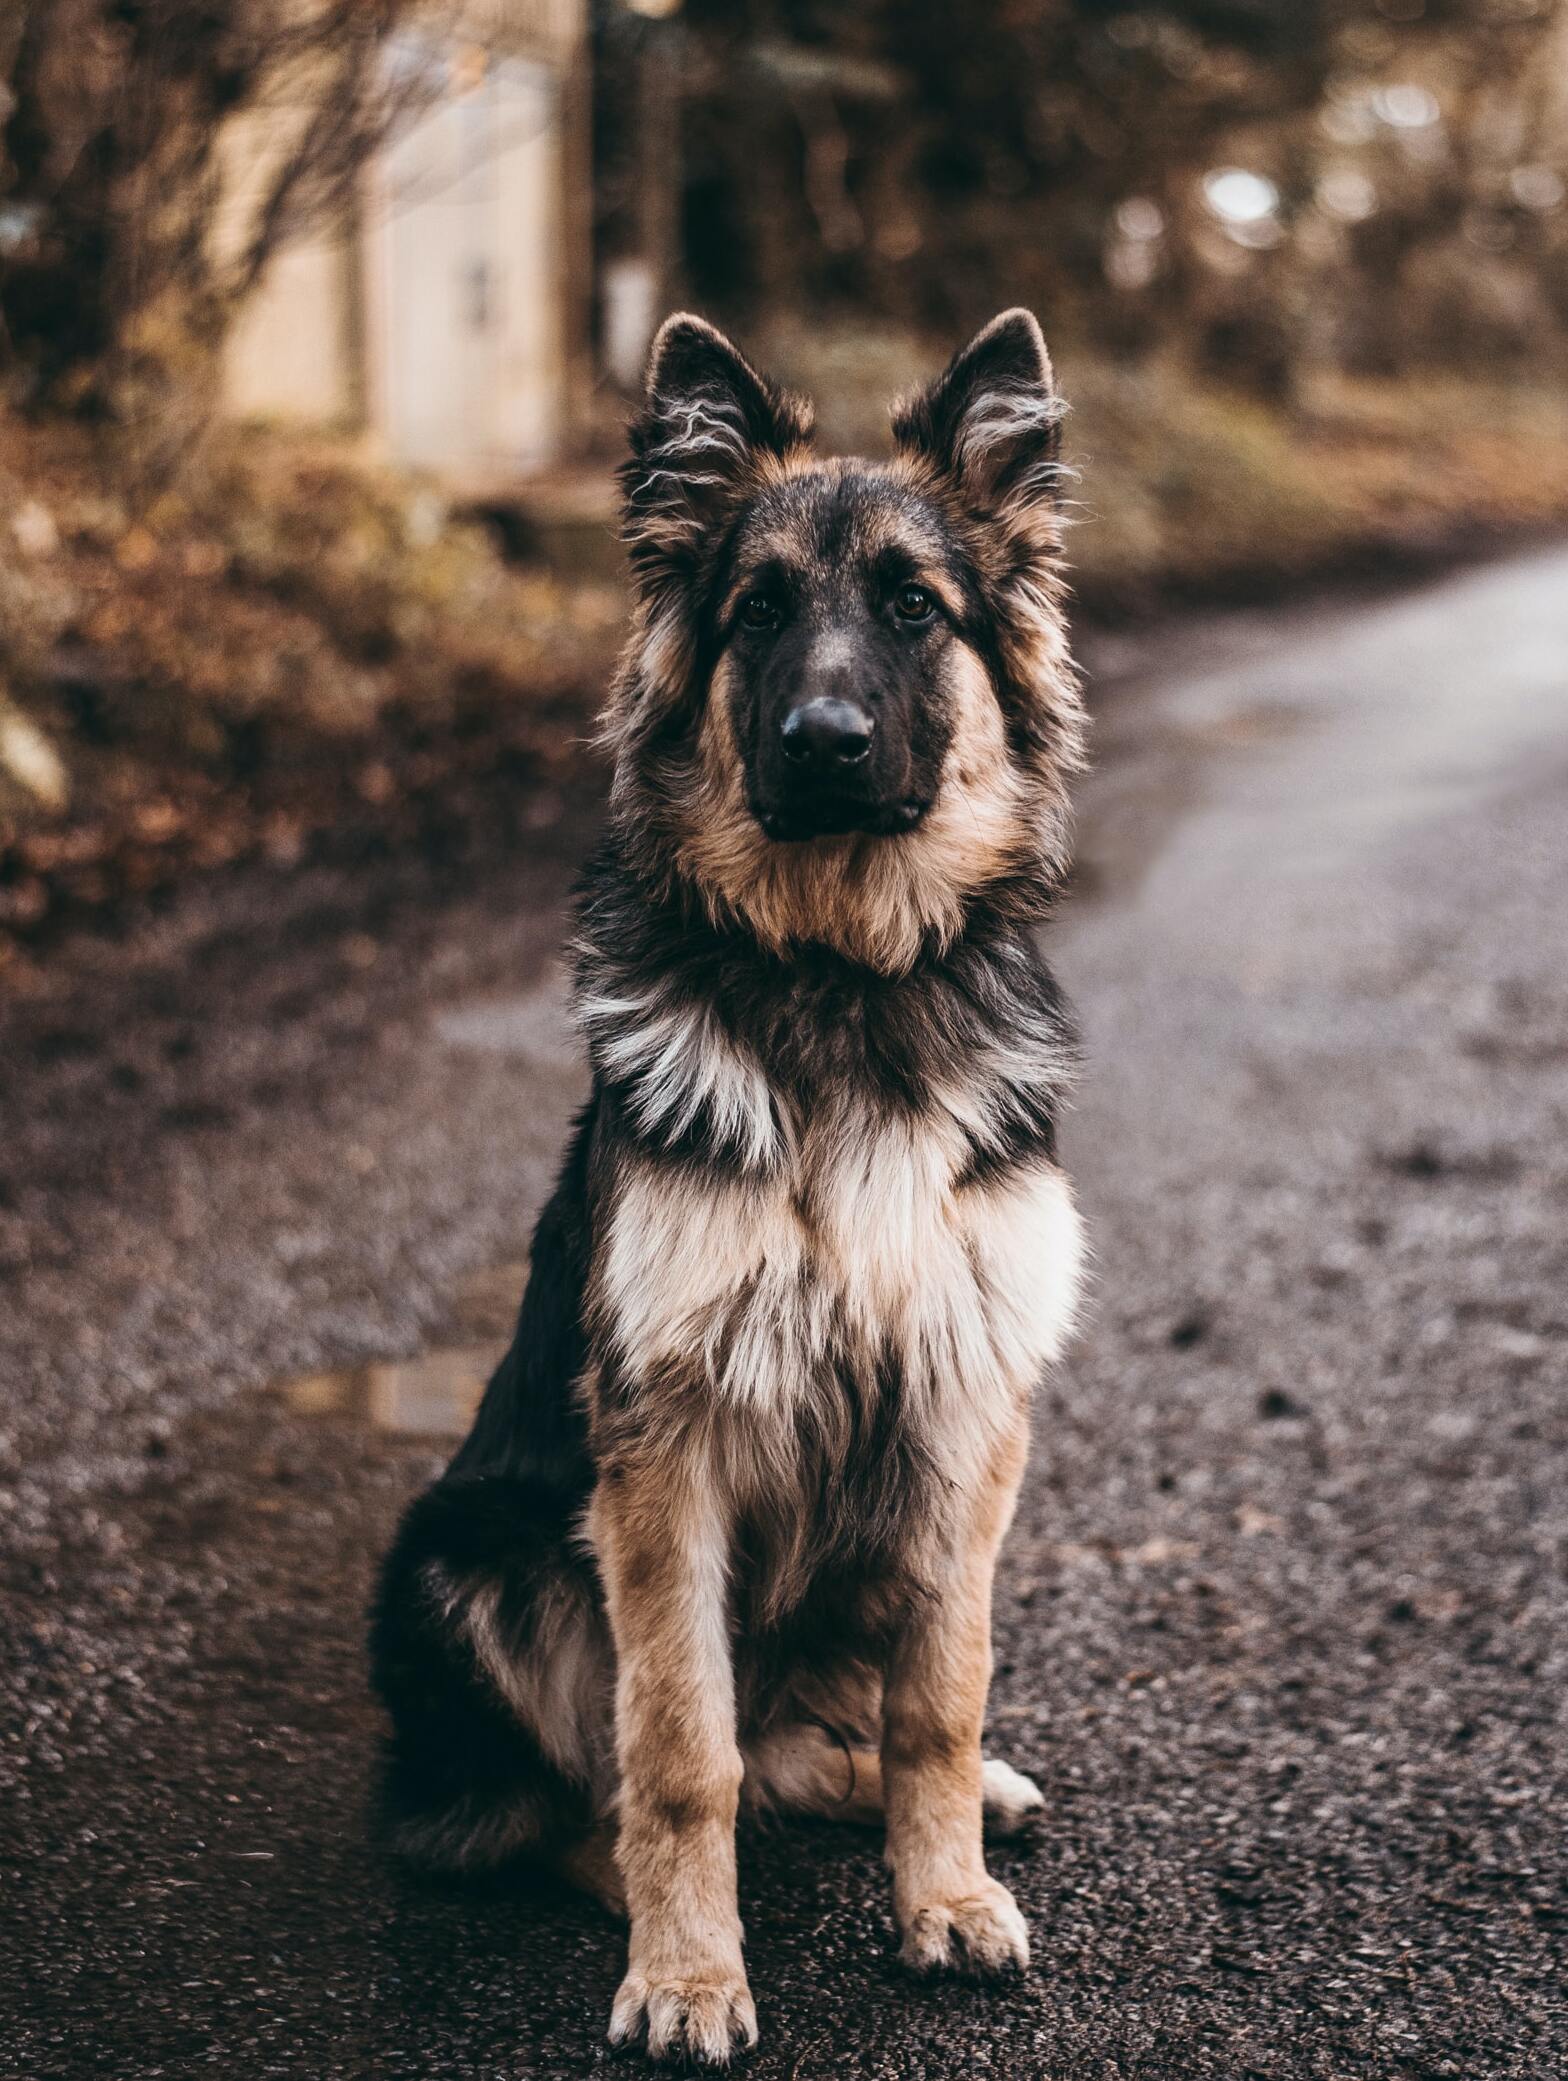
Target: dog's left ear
x: 708, y: 421
x: 991, y: 422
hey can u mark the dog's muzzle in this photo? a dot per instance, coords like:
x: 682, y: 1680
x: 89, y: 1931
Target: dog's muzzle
x: 826, y: 778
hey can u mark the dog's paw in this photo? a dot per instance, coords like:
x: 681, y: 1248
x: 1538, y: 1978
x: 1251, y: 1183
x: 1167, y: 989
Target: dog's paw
x: 702, y: 2020
x: 1011, y: 1800
x: 982, y: 1932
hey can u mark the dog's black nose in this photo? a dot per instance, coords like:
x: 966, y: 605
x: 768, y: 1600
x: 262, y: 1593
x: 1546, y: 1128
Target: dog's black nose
x: 826, y: 733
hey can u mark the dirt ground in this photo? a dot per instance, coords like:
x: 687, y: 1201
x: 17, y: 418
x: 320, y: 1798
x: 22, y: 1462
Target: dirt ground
x: 1281, y: 1624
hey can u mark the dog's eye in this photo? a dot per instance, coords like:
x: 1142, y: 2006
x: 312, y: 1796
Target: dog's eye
x: 913, y: 603
x: 757, y: 611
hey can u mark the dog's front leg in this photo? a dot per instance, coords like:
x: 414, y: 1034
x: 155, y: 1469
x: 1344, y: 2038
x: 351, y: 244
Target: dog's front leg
x: 663, y: 1545
x: 950, y: 1911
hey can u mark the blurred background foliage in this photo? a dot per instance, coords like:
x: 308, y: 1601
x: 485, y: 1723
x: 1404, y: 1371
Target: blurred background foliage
x: 1303, y: 263
x: 1271, y: 185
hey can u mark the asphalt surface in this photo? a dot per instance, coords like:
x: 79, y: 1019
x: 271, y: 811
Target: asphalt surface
x: 1281, y: 1625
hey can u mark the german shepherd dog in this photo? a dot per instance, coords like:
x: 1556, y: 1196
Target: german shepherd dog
x: 724, y: 1529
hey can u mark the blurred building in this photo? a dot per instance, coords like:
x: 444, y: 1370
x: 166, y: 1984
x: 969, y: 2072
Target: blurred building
x: 448, y: 316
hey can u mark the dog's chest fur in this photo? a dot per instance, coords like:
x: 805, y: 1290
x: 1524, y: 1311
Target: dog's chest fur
x: 868, y: 1252
x: 832, y: 1238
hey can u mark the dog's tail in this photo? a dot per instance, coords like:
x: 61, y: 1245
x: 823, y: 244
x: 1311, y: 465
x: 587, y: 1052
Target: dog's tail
x: 489, y: 1646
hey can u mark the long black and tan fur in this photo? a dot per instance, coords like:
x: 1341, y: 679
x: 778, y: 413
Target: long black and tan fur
x: 725, y: 1526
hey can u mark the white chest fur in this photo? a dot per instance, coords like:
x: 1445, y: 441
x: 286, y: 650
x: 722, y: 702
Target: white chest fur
x: 862, y: 1246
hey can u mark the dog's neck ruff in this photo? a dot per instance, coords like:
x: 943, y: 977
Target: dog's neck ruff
x: 716, y: 1049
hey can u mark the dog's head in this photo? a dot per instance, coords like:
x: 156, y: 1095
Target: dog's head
x: 847, y: 706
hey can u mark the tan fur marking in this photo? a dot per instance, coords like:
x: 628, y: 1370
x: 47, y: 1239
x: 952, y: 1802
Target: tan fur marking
x: 663, y: 1548
x: 948, y: 1907
x: 799, y: 1770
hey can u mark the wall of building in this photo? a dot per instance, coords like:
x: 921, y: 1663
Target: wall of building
x: 447, y: 320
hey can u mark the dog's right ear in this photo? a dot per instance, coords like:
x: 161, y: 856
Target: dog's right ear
x: 707, y: 421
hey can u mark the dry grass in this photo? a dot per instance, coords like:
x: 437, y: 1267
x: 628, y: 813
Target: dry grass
x: 292, y: 641
x: 1190, y: 492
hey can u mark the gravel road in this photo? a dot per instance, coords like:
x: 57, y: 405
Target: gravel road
x: 1281, y: 1625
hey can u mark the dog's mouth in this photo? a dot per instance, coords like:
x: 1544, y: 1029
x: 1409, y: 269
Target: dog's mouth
x: 837, y: 820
